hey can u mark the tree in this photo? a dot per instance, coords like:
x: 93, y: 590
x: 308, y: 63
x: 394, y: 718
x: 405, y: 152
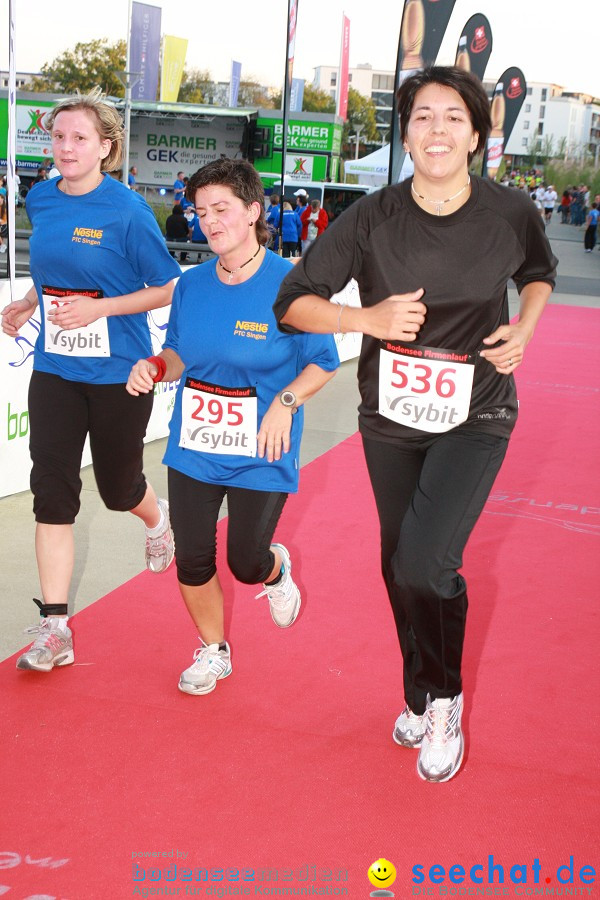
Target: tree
x: 361, y: 118
x: 251, y: 93
x: 546, y: 150
x: 314, y: 100
x: 81, y: 69
x: 197, y: 86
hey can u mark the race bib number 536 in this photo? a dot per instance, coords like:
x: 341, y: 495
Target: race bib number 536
x: 425, y: 387
x: 217, y: 419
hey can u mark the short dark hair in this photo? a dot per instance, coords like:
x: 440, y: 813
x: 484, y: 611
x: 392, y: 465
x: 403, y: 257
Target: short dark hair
x: 466, y: 85
x: 178, y: 209
x: 242, y: 179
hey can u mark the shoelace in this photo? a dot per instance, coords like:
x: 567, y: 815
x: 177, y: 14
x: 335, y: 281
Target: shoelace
x: 412, y: 718
x: 441, y: 724
x: 47, y: 636
x: 277, y: 593
x: 157, y: 545
x: 203, y: 659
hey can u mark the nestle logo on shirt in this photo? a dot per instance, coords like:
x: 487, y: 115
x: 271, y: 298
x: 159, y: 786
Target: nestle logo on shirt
x: 263, y: 327
x: 88, y: 232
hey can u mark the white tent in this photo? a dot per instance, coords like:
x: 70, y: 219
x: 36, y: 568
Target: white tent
x: 373, y: 169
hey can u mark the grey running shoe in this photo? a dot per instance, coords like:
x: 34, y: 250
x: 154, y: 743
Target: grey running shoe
x: 442, y: 747
x: 284, y: 597
x: 52, y: 647
x: 160, y: 550
x: 409, y: 728
x: 210, y: 664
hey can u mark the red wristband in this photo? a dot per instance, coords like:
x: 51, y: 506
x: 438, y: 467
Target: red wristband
x: 160, y: 365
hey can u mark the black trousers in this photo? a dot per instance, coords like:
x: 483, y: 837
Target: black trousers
x: 252, y: 518
x: 429, y: 495
x: 61, y: 415
x: 589, y: 239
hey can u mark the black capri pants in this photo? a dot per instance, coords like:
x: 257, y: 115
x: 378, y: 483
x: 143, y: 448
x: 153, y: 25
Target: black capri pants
x: 252, y: 518
x: 61, y: 414
x: 429, y: 495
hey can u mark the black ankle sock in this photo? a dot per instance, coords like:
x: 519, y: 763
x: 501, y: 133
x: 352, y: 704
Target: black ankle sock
x: 278, y: 579
x: 223, y: 645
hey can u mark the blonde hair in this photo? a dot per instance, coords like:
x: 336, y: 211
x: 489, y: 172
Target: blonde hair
x: 109, y: 124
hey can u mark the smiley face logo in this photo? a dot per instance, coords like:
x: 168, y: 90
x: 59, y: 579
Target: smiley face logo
x: 382, y: 873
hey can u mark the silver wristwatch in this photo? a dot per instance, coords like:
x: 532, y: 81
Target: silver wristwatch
x: 288, y: 398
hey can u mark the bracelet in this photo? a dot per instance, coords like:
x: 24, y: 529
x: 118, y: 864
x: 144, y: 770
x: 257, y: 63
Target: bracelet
x: 160, y: 365
x: 339, y: 328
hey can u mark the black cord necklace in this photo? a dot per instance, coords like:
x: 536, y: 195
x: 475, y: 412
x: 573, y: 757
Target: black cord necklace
x: 232, y: 272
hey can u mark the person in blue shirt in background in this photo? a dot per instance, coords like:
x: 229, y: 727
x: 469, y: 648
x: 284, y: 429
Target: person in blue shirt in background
x: 178, y: 188
x: 98, y: 264
x: 291, y: 230
x: 238, y: 415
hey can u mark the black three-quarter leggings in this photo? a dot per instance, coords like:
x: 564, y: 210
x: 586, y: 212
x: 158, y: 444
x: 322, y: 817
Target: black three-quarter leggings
x: 61, y: 415
x: 429, y: 495
x: 252, y: 519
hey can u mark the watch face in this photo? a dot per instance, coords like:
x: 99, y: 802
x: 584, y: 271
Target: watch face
x: 288, y: 398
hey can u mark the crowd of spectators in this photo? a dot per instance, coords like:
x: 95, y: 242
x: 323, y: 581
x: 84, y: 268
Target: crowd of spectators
x: 576, y: 205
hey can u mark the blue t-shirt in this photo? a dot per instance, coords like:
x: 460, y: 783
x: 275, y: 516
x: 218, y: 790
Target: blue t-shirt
x: 198, y: 236
x: 178, y: 190
x: 227, y: 336
x: 594, y: 215
x: 106, y: 242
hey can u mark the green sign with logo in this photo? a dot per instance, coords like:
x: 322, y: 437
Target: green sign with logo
x: 32, y: 138
x: 312, y: 149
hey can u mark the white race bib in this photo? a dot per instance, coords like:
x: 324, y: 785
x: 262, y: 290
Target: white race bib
x: 216, y: 419
x: 425, y: 387
x: 91, y: 340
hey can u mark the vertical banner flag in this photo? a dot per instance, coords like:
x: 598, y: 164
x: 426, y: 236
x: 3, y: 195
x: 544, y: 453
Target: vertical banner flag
x: 234, y: 82
x: 11, y: 148
x: 297, y: 95
x: 173, y: 62
x: 342, y: 89
x: 509, y: 94
x: 290, y: 48
x: 475, y: 46
x: 144, y: 48
x: 422, y: 30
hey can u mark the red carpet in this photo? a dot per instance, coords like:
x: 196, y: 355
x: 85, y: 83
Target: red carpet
x: 289, y: 765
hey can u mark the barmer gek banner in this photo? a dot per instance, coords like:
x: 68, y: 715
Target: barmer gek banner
x: 475, y: 46
x: 422, y: 31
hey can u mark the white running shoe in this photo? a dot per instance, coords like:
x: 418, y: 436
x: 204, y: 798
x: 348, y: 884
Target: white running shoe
x: 160, y: 550
x: 442, y: 747
x: 284, y: 597
x: 409, y: 728
x: 53, y: 647
x: 210, y: 664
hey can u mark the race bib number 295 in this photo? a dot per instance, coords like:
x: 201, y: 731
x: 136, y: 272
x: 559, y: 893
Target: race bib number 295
x: 425, y: 387
x: 218, y: 419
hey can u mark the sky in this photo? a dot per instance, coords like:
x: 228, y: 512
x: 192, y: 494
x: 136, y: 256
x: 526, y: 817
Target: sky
x: 550, y: 40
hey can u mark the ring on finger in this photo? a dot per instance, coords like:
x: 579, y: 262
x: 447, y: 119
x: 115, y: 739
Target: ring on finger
x: 510, y: 362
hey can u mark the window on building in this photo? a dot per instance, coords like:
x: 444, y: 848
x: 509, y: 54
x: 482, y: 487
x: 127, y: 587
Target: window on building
x: 542, y: 112
x: 528, y: 107
x: 333, y: 81
x: 525, y: 126
x: 541, y: 128
x: 349, y: 77
x: 524, y: 142
x: 544, y: 94
x: 383, y: 82
x: 529, y: 91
